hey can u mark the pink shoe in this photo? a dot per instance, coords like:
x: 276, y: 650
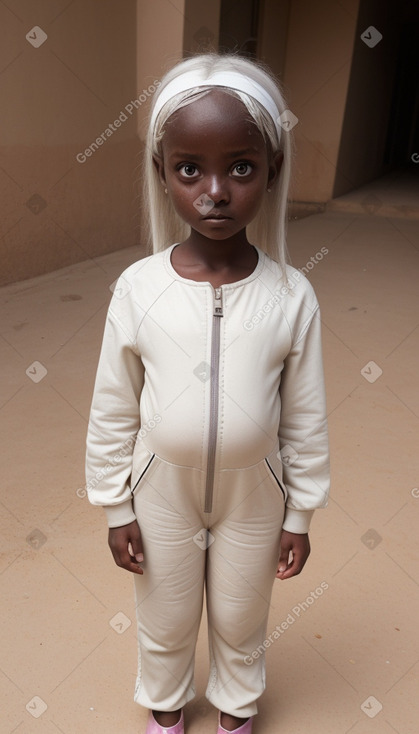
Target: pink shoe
x: 245, y: 728
x: 154, y: 728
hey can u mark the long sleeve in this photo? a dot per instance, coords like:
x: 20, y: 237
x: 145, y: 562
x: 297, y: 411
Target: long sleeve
x: 114, y: 420
x: 303, y: 434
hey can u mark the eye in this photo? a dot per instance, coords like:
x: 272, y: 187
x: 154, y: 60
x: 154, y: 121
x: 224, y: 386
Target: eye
x: 188, y: 170
x: 242, y: 169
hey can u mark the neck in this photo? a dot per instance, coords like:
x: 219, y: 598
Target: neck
x: 218, y: 254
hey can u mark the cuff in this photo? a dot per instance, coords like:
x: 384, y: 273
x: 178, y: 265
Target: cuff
x: 121, y: 514
x: 297, y: 521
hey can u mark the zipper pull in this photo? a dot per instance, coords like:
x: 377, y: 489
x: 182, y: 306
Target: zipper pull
x: 218, y: 302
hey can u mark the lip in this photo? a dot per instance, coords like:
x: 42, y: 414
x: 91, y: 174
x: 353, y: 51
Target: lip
x: 216, y: 217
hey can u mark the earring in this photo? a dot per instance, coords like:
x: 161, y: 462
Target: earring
x: 269, y: 190
x: 165, y: 191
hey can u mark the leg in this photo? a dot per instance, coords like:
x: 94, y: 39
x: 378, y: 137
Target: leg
x: 241, y: 569
x: 169, y: 596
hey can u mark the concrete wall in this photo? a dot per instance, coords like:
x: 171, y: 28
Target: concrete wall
x: 66, y: 197
x: 166, y: 32
x: 273, y: 33
x: 320, y: 39
x: 56, y: 98
x: 97, y: 67
x: 159, y: 37
x: 363, y: 152
x: 201, y: 26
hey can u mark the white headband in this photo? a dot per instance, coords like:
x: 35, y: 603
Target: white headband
x: 229, y: 79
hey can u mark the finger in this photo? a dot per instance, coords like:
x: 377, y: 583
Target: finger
x: 136, y: 556
x: 137, y: 545
x: 284, y: 561
x: 130, y: 560
x: 123, y: 559
x: 292, y: 569
x: 120, y: 542
x: 284, y: 558
x: 299, y: 558
x: 283, y: 572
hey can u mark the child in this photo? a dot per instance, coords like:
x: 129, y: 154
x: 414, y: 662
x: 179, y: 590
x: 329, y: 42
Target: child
x: 207, y: 442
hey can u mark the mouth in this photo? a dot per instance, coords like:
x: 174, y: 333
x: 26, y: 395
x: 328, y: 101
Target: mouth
x: 216, y: 217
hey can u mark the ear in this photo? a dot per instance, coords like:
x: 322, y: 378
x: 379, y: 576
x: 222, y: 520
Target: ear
x: 275, y: 168
x: 159, y: 166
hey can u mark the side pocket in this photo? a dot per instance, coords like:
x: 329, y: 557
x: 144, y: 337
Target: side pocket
x: 277, y: 480
x: 143, y: 473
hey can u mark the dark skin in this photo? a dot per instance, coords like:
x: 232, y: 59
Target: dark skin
x: 211, y: 148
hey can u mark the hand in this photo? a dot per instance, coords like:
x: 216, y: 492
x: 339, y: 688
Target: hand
x: 299, y: 547
x: 123, y: 542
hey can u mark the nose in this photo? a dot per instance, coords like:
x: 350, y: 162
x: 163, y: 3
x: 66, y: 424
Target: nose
x: 218, y: 189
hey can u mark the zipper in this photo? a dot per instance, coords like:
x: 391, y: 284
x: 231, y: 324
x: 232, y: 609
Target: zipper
x: 143, y: 473
x: 277, y: 480
x: 214, y: 393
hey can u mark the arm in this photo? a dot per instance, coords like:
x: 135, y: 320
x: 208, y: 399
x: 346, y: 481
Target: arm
x: 303, y: 438
x: 113, y: 426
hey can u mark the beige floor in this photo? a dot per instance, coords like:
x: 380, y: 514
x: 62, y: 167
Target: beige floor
x: 347, y: 660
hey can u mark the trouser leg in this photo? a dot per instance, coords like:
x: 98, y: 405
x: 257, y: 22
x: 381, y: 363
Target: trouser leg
x: 241, y: 567
x: 169, y: 594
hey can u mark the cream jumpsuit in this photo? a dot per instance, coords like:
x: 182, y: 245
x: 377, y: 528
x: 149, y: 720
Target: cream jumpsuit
x: 208, y: 425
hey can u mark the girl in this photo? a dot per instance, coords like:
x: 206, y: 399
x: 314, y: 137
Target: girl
x: 207, y: 442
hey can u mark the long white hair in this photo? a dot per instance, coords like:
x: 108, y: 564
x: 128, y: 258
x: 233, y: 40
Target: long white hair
x: 268, y: 229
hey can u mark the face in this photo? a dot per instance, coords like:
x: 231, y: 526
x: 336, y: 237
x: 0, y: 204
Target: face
x: 215, y: 165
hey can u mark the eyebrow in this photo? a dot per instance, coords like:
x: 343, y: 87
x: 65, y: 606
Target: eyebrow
x: 198, y: 157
